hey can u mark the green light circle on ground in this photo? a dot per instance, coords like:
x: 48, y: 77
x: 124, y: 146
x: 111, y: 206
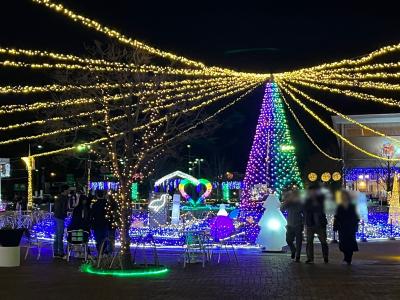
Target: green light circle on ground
x: 86, y: 268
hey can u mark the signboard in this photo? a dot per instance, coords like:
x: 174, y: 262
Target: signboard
x: 5, y: 167
x: 70, y: 179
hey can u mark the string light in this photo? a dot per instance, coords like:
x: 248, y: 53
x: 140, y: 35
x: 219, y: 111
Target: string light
x: 355, y: 84
x: 350, y: 93
x: 327, y: 108
x: 157, y: 121
x: 134, y: 43
x: 306, y: 133
x: 377, y: 53
x: 324, y: 124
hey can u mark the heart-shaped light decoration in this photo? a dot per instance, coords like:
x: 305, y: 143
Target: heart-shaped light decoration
x: 198, y: 185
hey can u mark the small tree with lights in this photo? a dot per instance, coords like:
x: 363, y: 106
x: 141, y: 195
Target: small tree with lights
x: 127, y: 116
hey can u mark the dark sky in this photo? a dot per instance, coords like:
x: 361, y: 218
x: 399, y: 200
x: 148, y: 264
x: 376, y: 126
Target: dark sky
x: 296, y: 36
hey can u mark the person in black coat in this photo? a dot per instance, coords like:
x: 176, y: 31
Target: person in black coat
x: 316, y: 221
x: 81, y: 214
x: 100, y: 223
x: 346, y: 223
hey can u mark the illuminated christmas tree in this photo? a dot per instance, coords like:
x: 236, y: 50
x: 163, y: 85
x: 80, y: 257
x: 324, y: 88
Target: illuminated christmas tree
x: 394, y: 205
x: 272, y: 161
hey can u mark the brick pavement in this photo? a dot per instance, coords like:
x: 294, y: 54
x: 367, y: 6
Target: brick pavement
x: 374, y: 275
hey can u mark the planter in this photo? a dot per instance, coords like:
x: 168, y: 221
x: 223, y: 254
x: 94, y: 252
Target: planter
x: 9, y: 247
x: 11, y: 237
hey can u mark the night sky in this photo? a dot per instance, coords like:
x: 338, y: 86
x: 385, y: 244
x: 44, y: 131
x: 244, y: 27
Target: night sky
x: 282, y: 36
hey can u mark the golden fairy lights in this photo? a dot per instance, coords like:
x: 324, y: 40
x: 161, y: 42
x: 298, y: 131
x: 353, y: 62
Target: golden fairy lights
x: 189, y: 83
x: 328, y: 127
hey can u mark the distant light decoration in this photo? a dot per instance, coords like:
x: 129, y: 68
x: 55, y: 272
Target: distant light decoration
x: 221, y: 227
x: 134, y: 191
x: 175, y: 174
x: 394, y: 204
x: 312, y: 176
x: 336, y: 176
x: 325, y: 177
x: 201, y: 182
x: 268, y: 162
x: 225, y: 192
x: 354, y: 174
x: 103, y: 186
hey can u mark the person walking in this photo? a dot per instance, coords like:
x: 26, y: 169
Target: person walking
x: 295, y: 222
x: 100, y: 224
x: 60, y: 213
x: 346, y: 224
x: 316, y: 221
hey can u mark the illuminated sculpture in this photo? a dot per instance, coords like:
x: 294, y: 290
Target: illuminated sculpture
x: 362, y: 207
x: 394, y: 205
x: 272, y: 236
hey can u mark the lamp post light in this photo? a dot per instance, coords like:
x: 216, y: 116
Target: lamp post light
x: 198, y: 161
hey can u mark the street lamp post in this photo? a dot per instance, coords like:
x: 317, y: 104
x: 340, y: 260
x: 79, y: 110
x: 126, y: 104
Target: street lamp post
x: 198, y: 161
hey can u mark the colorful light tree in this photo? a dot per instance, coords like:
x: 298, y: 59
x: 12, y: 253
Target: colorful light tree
x: 272, y: 158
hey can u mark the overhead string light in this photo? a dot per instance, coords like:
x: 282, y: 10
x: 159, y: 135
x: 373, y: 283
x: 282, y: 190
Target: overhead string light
x: 117, y: 135
x: 350, y: 62
x: 148, y: 87
x: 353, y: 83
x: 13, y: 108
x: 306, y: 133
x: 329, y: 109
x: 350, y: 93
x: 326, y: 125
x: 137, y: 44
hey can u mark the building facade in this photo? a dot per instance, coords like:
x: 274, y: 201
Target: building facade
x: 362, y: 172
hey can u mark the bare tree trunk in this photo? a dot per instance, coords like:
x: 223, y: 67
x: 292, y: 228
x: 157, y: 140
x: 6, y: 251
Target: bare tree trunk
x: 125, y: 215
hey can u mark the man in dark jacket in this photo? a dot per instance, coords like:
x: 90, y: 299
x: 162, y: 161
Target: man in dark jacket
x: 60, y: 213
x: 315, y: 223
x: 295, y: 222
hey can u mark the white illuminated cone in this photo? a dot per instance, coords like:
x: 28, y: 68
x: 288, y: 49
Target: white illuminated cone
x: 272, y: 236
x: 222, y: 211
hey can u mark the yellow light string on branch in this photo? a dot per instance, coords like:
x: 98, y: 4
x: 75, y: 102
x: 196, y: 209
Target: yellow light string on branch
x: 324, y: 124
x: 329, y: 109
x: 350, y: 93
x: 305, y: 131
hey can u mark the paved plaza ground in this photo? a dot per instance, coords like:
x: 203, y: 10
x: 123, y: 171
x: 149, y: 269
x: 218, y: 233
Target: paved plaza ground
x: 375, y: 274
